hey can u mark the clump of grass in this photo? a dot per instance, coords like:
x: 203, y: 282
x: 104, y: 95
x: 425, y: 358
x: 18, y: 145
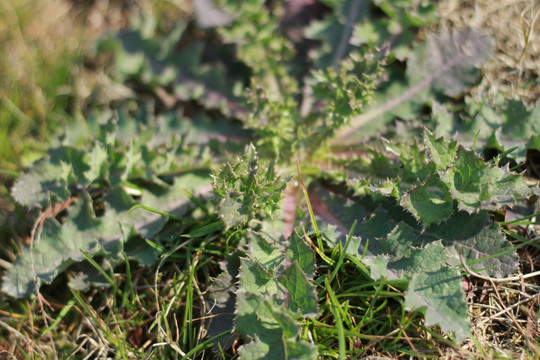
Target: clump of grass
x: 43, y: 80
x: 142, y: 313
x: 41, y: 50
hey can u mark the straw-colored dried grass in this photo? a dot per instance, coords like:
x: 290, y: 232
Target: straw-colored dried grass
x: 515, y: 26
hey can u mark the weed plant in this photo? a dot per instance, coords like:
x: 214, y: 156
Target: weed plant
x: 269, y: 182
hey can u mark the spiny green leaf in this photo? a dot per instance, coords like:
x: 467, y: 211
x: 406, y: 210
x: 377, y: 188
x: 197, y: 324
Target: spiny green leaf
x: 378, y: 225
x: 445, y: 64
x: 247, y: 190
x: 222, y: 296
x: 402, y: 255
x: 291, y: 349
x: 59, y: 244
x: 378, y: 266
x: 443, y: 119
x: 301, y: 350
x: 287, y: 323
x: 271, y: 328
x: 431, y: 257
x: 430, y: 202
x: 450, y: 60
x: 442, y: 152
x: 433, y: 284
x: 155, y: 60
x: 300, y: 252
x: 48, y: 177
x: 477, y: 185
x: 440, y: 293
x: 231, y: 212
x: 301, y: 295
x: 389, y: 188
x: 518, y: 121
x: 415, y: 166
x: 512, y: 118
x: 345, y: 91
x: 255, y: 320
x: 254, y: 278
x: 98, y: 163
x: 274, y: 121
x: 263, y: 47
x: 400, y: 241
x: 355, y: 246
x: 474, y: 237
x: 494, y: 142
x: 408, y: 13
x: 34, y: 188
x: 58, y: 247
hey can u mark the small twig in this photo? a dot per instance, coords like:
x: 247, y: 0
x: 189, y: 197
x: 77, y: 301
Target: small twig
x: 408, y: 339
x: 34, y: 237
x: 509, y: 313
x: 489, y: 278
x: 505, y: 310
x: 527, y: 35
